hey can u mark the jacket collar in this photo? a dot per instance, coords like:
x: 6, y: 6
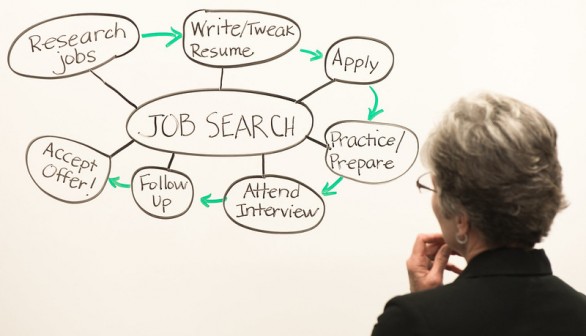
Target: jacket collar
x: 507, y: 261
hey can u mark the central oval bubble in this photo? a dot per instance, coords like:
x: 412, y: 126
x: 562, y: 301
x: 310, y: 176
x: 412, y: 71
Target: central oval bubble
x: 229, y: 122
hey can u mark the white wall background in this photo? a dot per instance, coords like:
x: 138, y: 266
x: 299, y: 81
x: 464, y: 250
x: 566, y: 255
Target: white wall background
x: 105, y: 268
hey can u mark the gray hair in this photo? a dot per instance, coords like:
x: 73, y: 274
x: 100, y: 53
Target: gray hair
x: 495, y: 158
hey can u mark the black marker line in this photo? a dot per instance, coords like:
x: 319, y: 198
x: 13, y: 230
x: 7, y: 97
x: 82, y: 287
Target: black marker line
x: 113, y: 89
x: 221, y: 79
x: 121, y: 148
x: 171, y: 161
x: 314, y: 91
x: 399, y: 145
x: 318, y: 142
x: 263, y: 166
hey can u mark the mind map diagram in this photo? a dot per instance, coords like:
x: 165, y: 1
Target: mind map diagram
x: 215, y: 122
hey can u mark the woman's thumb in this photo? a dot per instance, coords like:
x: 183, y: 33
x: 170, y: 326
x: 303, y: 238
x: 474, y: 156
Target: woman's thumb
x: 441, y: 259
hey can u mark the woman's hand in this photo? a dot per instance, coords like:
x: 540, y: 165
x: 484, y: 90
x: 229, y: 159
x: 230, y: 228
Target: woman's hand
x: 428, y: 261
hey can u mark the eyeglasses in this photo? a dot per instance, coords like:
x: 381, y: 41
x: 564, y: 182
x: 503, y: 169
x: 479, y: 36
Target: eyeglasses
x: 425, y: 182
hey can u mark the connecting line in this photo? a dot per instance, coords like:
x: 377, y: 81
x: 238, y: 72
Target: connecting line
x: 263, y: 165
x: 314, y: 91
x: 318, y: 142
x: 113, y: 89
x: 221, y: 79
x: 121, y: 148
x: 171, y: 161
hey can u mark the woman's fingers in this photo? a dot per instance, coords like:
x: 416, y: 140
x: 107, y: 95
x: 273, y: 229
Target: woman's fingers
x: 429, y: 261
x: 426, y: 239
x: 431, y: 249
x: 440, y: 262
x: 453, y: 268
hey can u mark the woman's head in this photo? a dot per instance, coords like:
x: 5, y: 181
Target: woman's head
x: 495, y: 159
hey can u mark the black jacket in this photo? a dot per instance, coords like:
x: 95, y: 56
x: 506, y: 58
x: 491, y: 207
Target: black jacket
x: 501, y: 292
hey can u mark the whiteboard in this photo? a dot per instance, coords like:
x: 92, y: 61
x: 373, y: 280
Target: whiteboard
x: 221, y: 168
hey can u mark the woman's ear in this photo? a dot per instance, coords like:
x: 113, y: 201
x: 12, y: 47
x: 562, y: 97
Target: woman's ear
x: 462, y: 224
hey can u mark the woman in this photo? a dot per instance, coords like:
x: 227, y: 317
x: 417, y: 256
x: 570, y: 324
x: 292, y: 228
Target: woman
x: 496, y: 184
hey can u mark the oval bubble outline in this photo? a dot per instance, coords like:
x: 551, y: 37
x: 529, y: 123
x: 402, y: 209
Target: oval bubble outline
x: 359, y: 38
x: 79, y: 143
x: 66, y: 16
x: 284, y: 178
x: 374, y: 123
x: 294, y: 101
x: 171, y: 171
x: 242, y: 11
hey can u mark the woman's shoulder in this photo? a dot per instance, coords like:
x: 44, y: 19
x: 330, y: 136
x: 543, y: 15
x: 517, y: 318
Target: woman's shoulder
x: 498, y: 303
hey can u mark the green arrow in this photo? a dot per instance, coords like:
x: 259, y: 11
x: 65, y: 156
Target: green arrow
x: 373, y: 112
x: 114, y: 182
x: 327, y: 189
x: 206, y: 201
x: 174, y: 33
x: 316, y: 54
